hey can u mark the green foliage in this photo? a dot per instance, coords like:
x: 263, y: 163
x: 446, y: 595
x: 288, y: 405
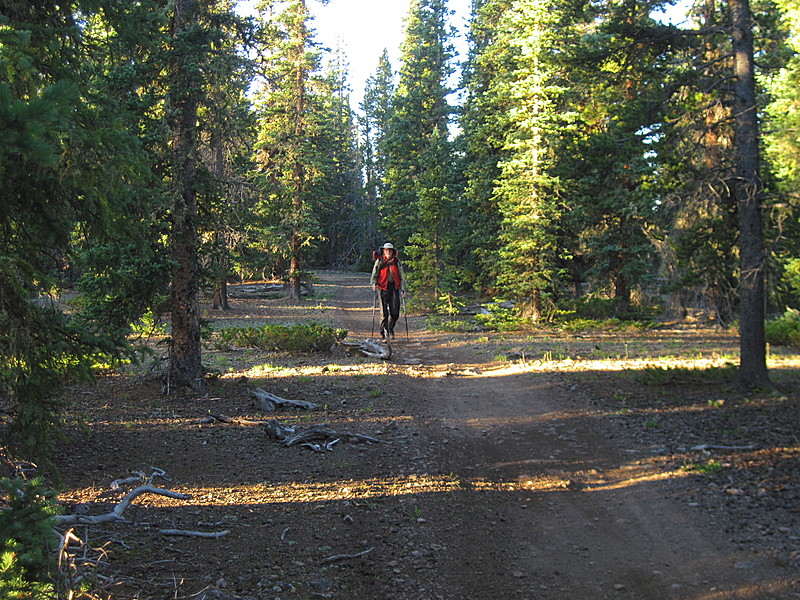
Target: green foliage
x: 593, y: 313
x: 418, y: 166
x: 575, y: 324
x: 73, y: 176
x: 707, y: 468
x: 784, y: 330
x: 440, y: 323
x: 791, y: 275
x: 311, y: 337
x: 27, y: 539
x: 42, y: 348
x: 449, y: 305
x: 123, y: 283
x: 501, y: 319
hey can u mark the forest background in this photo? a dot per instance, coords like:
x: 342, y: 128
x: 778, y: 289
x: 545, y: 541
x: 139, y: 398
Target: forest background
x: 601, y: 164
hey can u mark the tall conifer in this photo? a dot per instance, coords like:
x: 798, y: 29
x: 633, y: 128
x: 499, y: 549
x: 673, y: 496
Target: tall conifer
x: 419, y: 134
x: 285, y: 153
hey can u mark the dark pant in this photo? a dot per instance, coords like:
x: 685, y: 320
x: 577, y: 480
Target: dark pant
x: 390, y: 309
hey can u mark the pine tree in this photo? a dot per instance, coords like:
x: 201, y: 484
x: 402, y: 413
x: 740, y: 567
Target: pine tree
x: 374, y: 125
x: 288, y: 123
x: 482, y: 140
x: 75, y: 176
x: 608, y: 173
x: 782, y: 154
x: 418, y: 135
x: 526, y: 193
x: 748, y: 192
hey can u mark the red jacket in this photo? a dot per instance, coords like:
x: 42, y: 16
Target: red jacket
x: 386, y: 267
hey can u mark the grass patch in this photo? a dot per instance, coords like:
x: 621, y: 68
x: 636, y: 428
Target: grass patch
x: 708, y: 468
x: 670, y: 375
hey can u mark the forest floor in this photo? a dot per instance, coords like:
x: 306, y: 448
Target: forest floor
x: 527, y: 465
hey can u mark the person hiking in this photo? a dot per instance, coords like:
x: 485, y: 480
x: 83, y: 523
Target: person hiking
x: 389, y: 280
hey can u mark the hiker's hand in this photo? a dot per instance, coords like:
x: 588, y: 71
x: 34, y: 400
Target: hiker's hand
x: 403, y: 293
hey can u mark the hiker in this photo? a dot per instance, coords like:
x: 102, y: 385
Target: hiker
x: 389, y: 279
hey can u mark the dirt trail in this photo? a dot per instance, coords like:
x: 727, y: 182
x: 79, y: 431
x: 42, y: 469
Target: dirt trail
x: 549, y: 504
x: 496, y: 481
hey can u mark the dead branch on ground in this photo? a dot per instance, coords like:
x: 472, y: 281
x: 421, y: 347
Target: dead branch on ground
x: 116, y: 513
x: 292, y: 435
x: 345, y: 556
x: 268, y: 402
x: 368, y: 348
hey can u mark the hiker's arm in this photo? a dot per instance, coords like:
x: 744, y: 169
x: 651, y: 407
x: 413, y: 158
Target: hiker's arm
x: 373, y: 280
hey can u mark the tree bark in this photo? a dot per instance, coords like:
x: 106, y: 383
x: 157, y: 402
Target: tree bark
x: 185, y: 369
x: 220, y: 258
x: 295, y: 264
x: 747, y: 188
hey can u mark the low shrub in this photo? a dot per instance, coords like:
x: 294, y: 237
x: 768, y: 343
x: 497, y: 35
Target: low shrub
x: 784, y: 330
x: 453, y: 325
x: 311, y: 337
x: 27, y: 539
x: 501, y: 319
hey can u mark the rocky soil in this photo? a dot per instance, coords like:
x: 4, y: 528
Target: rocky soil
x: 527, y: 465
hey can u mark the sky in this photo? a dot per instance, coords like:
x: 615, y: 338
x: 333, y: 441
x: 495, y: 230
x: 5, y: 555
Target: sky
x: 364, y: 28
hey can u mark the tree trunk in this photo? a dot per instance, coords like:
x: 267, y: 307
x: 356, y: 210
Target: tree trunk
x: 299, y: 171
x: 220, y: 299
x: 747, y: 189
x: 185, y: 369
x: 220, y: 260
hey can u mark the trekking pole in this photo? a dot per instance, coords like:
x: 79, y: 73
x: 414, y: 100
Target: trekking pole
x: 405, y: 312
x: 374, y: 305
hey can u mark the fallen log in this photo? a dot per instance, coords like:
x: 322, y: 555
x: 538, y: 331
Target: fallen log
x: 268, y: 402
x: 368, y: 348
x: 306, y: 436
x: 232, y: 420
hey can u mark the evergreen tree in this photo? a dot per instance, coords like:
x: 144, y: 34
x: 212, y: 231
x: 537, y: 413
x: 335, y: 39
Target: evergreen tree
x: 702, y: 262
x: 608, y: 171
x: 185, y: 82
x: 525, y: 190
x: 418, y: 134
x: 341, y: 182
x: 482, y: 140
x: 288, y: 124
x: 782, y: 152
x: 748, y: 192
x: 74, y: 176
x: 374, y: 124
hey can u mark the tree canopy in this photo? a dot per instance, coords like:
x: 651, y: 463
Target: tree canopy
x: 592, y: 157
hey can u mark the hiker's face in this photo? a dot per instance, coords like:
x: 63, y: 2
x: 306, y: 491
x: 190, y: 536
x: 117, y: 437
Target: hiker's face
x: 387, y: 253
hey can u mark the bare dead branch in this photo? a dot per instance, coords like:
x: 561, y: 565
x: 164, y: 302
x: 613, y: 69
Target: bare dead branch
x: 268, y: 402
x: 293, y: 435
x: 197, y: 534
x: 345, y: 556
x: 119, y: 509
x: 368, y: 348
